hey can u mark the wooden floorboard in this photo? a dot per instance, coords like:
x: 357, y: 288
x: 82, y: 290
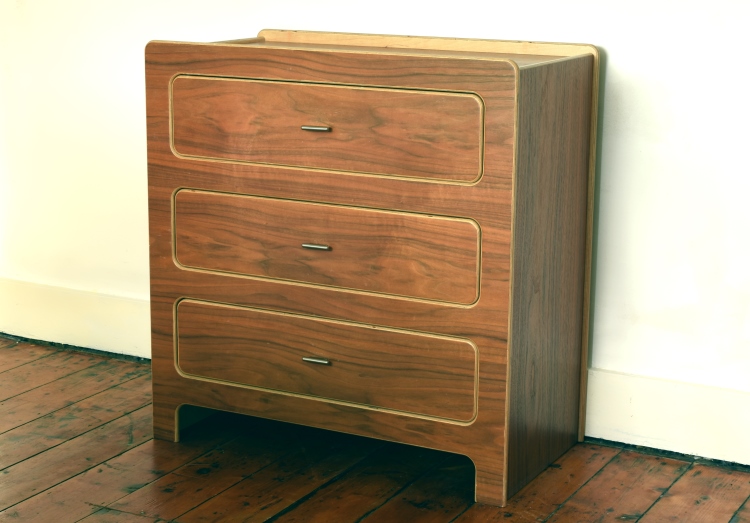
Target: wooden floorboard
x: 118, y: 477
x: 7, y: 342
x: 702, y: 494
x: 76, y: 445
x: 77, y: 455
x: 43, y: 370
x: 18, y: 355
x: 67, y: 423
x: 549, y: 490
x: 440, y: 495
x: 65, y: 391
x: 207, y: 476
x: 743, y: 514
x: 106, y: 515
x: 364, y: 488
x: 313, y: 462
x: 623, y: 490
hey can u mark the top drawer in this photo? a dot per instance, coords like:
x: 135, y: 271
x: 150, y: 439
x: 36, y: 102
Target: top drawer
x: 381, y: 131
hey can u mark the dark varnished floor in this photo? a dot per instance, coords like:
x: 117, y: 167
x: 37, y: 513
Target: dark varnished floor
x: 76, y: 445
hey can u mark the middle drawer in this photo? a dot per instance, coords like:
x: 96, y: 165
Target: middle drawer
x: 379, y: 251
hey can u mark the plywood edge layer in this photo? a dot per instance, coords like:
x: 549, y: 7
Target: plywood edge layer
x: 428, y: 43
x: 242, y: 41
x: 588, y: 259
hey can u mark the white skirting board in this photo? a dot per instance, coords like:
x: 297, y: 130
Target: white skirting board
x: 689, y: 418
x: 87, y: 319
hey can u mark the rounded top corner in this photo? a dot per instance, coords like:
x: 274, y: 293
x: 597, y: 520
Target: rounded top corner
x: 149, y: 46
x: 514, y: 65
x: 594, y: 50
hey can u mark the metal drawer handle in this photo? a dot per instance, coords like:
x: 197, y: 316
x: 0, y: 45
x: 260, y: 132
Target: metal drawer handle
x: 319, y: 361
x: 316, y: 128
x: 317, y: 247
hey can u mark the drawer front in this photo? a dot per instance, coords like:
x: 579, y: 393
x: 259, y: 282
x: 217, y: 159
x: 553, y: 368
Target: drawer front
x: 396, y: 253
x: 415, y: 373
x: 396, y: 132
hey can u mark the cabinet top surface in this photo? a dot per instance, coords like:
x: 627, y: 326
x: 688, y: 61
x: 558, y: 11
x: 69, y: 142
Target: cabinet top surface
x: 523, y: 54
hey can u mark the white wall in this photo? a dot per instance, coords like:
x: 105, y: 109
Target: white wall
x: 671, y: 333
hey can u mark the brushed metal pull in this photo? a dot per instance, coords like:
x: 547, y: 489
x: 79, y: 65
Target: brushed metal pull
x: 317, y: 247
x: 316, y: 128
x: 319, y: 361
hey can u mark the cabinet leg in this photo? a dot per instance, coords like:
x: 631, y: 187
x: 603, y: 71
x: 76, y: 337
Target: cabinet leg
x: 489, y: 484
x: 165, y: 422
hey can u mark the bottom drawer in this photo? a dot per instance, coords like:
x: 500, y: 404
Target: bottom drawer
x: 422, y: 374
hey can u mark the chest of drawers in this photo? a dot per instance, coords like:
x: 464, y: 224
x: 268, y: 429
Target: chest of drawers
x: 385, y: 236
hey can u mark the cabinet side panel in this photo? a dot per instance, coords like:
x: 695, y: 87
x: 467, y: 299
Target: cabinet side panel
x: 548, y: 264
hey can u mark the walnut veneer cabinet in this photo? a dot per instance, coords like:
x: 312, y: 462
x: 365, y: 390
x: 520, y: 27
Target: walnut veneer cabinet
x: 379, y: 235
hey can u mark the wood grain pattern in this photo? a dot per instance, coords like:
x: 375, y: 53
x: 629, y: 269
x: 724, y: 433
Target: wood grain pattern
x: 107, y: 515
x: 372, y: 130
x: 6, y: 343
x: 43, y: 370
x: 403, y: 371
x: 438, y: 496
x: 624, y: 490
x: 703, y: 493
x: 493, y: 77
x: 549, y: 490
x: 743, y: 514
x: 61, y: 392
x: 314, y: 461
x: 489, y: 201
x: 68, y: 459
x: 203, y: 478
x: 404, y: 254
x: 55, y: 428
x: 10, y: 359
x: 522, y: 60
x: 377, y: 481
x: 117, y: 477
x: 525, y: 54
x: 549, y: 246
x: 363, y: 488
